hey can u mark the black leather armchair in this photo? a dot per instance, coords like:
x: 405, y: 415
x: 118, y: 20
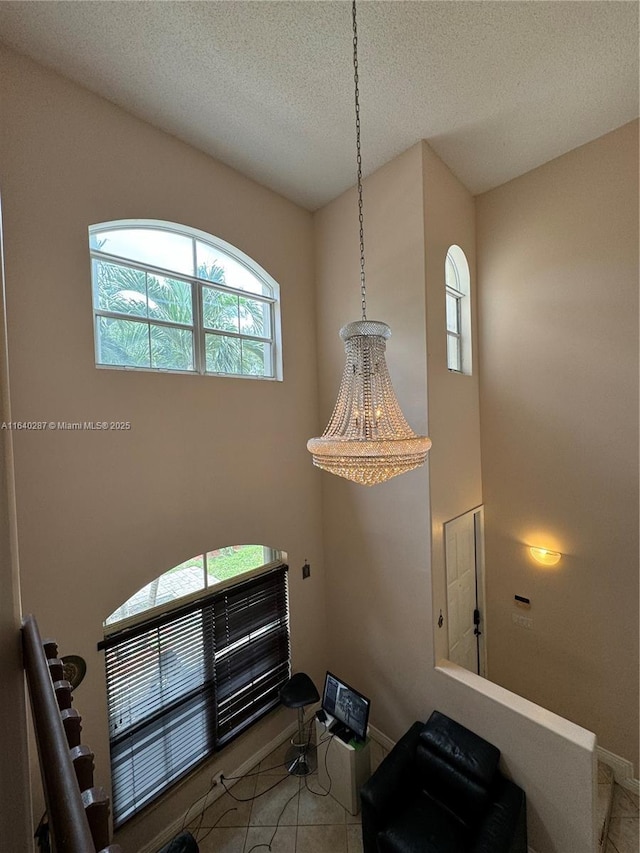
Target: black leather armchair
x: 439, y: 790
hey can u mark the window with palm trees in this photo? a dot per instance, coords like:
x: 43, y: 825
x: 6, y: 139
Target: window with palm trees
x: 171, y: 298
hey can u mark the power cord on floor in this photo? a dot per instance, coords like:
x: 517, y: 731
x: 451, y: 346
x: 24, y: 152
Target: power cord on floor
x: 277, y: 826
x: 201, y: 815
x: 326, y: 739
x: 255, y: 796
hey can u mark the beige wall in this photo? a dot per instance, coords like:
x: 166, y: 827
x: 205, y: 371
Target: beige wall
x: 15, y: 829
x: 379, y: 562
x: 454, y: 422
x: 377, y: 539
x: 97, y: 513
x: 553, y: 759
x: 209, y: 461
x: 558, y: 284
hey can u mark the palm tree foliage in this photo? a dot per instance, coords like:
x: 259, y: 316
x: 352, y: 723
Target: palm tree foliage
x: 145, y: 302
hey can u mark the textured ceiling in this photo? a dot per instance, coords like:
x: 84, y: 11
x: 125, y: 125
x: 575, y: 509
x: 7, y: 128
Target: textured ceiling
x: 496, y: 88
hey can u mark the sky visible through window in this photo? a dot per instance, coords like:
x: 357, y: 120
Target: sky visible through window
x: 173, y: 252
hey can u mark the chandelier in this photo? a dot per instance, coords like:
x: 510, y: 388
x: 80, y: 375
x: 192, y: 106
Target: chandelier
x: 367, y: 439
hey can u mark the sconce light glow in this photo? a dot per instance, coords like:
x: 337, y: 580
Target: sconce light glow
x: 545, y: 557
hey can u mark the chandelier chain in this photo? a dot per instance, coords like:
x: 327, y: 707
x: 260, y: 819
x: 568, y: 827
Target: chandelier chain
x: 363, y: 292
x: 367, y: 439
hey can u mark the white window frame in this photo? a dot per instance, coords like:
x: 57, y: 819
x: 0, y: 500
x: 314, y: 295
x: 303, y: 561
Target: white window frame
x: 218, y: 707
x: 459, y: 340
x: 273, y: 371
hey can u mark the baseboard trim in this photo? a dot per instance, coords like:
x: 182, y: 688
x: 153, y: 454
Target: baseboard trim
x: 622, y: 769
x: 169, y: 832
x: 381, y: 738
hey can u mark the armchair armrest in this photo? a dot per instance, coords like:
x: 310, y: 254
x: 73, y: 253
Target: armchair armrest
x: 382, y: 792
x: 504, y: 827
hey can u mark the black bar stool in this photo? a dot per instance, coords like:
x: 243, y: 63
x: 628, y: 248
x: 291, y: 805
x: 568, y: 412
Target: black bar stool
x: 298, y: 692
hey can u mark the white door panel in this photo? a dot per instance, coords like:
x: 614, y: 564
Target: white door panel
x: 461, y: 567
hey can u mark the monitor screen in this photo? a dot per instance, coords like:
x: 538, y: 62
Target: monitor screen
x: 347, y: 705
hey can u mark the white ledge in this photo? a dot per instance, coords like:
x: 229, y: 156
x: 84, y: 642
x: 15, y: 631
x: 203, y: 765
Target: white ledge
x: 547, y: 719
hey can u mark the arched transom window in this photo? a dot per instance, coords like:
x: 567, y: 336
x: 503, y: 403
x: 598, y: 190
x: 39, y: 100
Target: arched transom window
x: 171, y: 298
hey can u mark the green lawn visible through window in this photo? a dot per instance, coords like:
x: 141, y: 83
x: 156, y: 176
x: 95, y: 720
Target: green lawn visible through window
x: 190, y: 578
x: 226, y: 563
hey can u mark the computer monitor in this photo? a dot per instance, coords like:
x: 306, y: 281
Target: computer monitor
x: 349, y: 707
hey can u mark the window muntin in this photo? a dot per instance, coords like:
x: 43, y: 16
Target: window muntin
x: 457, y: 311
x: 183, y: 684
x: 167, y: 299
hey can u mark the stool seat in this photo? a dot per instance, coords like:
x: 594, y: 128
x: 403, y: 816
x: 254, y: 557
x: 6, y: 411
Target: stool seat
x: 299, y: 691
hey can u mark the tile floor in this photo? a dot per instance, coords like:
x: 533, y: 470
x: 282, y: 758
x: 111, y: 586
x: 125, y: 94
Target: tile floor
x: 306, y: 822
x: 624, y: 824
x: 293, y: 819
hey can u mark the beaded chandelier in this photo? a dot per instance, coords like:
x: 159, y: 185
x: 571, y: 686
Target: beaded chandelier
x: 367, y: 439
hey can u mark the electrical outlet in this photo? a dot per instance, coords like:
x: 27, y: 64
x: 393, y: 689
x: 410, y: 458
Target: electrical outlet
x: 306, y: 571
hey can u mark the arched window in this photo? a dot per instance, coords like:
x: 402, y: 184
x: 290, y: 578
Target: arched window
x: 458, y: 311
x: 171, y: 298
x: 192, y: 660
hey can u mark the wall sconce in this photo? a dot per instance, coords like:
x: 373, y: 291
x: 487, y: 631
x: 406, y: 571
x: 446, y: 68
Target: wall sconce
x: 545, y: 557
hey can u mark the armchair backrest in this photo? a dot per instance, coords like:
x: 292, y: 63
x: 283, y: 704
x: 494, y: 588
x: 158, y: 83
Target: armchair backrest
x: 456, y: 767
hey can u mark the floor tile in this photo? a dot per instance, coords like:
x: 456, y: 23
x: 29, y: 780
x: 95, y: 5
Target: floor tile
x: 623, y: 803
x: 309, y: 822
x: 604, y: 794
x: 222, y: 840
x: 316, y: 809
x: 284, y: 840
x: 274, y: 763
x: 354, y: 839
x: 605, y: 773
x: 226, y: 810
x: 276, y: 807
x: 322, y: 839
x: 623, y: 833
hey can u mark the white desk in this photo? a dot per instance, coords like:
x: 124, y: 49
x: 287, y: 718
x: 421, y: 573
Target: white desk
x: 346, y: 768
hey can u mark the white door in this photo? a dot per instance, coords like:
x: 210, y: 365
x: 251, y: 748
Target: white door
x: 465, y: 590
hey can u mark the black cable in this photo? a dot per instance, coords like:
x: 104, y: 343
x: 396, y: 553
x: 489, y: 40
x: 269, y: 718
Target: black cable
x: 204, y: 807
x: 255, y: 796
x: 284, y: 808
x: 257, y: 772
x: 329, y: 737
x: 209, y: 829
